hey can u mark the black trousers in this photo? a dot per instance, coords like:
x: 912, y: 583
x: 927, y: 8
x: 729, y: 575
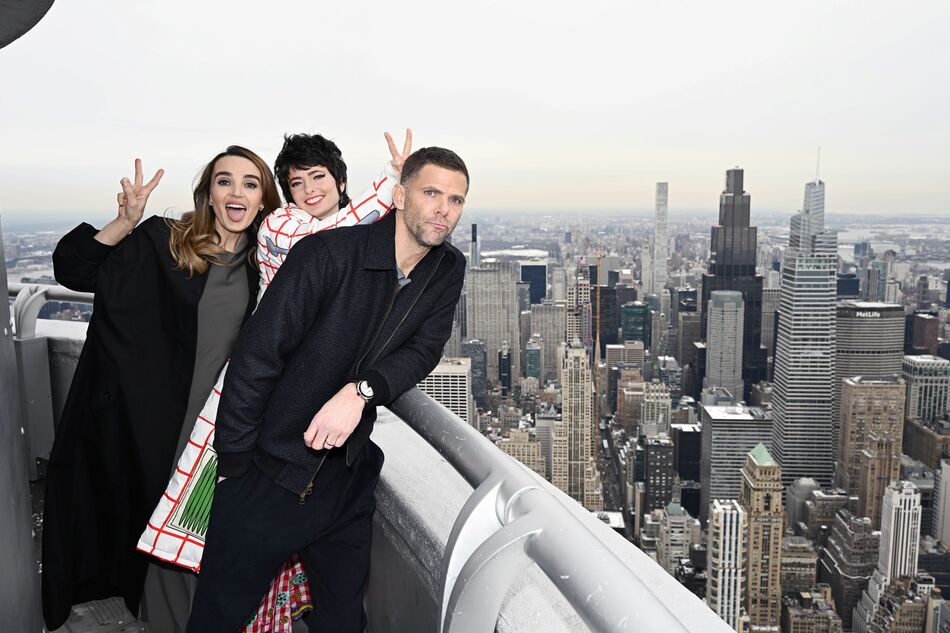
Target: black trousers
x: 256, y: 525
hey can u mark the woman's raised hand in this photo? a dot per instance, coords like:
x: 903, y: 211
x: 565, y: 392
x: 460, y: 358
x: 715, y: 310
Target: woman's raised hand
x: 135, y: 194
x: 399, y: 158
x: 131, y: 206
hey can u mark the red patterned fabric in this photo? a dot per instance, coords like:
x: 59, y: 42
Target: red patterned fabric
x: 287, y: 600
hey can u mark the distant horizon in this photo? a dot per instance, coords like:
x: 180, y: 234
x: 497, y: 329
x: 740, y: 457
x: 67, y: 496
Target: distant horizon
x: 25, y: 221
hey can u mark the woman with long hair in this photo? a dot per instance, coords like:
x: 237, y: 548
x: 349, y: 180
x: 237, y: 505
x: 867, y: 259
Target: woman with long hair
x: 170, y: 299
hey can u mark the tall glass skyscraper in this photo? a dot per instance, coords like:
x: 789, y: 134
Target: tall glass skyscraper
x: 661, y: 237
x: 802, y: 439
x: 732, y: 267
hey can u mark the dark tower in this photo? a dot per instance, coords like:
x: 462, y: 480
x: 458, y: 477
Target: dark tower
x: 474, y: 257
x: 732, y: 254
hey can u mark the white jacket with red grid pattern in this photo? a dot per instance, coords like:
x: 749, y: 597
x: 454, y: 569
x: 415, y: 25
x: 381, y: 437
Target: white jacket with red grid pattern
x: 286, y: 226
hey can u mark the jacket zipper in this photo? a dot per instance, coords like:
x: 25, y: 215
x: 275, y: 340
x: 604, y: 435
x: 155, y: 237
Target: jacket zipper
x: 309, y: 489
x: 411, y: 306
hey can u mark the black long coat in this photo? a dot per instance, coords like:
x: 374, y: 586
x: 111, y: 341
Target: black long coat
x: 116, y: 440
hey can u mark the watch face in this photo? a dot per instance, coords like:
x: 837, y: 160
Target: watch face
x: 365, y: 390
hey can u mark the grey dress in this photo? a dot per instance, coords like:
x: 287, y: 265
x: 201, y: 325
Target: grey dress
x: 169, y: 589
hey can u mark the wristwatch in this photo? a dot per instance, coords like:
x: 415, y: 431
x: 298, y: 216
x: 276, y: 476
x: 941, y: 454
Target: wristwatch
x: 364, y: 391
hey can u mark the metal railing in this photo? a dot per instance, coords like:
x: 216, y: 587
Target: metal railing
x: 511, y: 521
x: 28, y: 300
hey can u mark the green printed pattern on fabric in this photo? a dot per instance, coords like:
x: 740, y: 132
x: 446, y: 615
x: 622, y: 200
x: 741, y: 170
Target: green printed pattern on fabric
x: 194, y: 517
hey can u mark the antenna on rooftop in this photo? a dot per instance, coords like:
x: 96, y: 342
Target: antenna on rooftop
x: 818, y: 164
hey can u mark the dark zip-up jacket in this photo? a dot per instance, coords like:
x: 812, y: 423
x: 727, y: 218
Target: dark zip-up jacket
x: 334, y: 313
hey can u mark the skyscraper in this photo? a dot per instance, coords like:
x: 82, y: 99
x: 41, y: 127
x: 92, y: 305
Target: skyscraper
x: 928, y: 387
x: 577, y: 411
x: 635, y: 322
x: 606, y: 315
x: 579, y: 309
x: 474, y: 350
x: 727, y: 551
x: 900, y: 530
x: 473, y: 253
x: 687, y: 333
x: 799, y: 564
x: 658, y: 472
x: 492, y: 305
x: 900, y: 543
x: 732, y: 260
x: 549, y: 319
x: 523, y: 445
x: 848, y: 561
x: 727, y: 435
x: 533, y: 358
x: 724, y: 342
x: 869, y: 404
x: 536, y: 274
x: 661, y: 237
x: 869, y: 342
x: 677, y: 529
x: 761, y: 498
x: 770, y: 303
x: 941, y: 525
x: 805, y: 348
x: 504, y: 368
x: 657, y: 409
x: 450, y: 384
x: 879, y: 465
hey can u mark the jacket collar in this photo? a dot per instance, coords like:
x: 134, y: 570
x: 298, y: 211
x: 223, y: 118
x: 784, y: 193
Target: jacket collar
x: 381, y: 245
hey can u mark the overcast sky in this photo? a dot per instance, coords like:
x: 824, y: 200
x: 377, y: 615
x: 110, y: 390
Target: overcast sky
x: 553, y: 105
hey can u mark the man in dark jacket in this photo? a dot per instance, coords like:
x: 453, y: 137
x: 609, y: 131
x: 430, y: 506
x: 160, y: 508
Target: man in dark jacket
x: 354, y: 318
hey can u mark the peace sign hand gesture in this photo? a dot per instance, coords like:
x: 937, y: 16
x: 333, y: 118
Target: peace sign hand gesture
x: 131, y: 206
x: 135, y: 194
x: 399, y: 158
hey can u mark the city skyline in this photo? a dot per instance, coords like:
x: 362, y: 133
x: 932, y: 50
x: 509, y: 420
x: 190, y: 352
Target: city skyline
x: 563, y: 133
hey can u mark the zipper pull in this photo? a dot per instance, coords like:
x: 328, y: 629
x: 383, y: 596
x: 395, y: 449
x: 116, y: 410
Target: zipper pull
x: 306, y: 493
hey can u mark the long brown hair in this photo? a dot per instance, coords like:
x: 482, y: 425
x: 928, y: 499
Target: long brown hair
x: 193, y: 241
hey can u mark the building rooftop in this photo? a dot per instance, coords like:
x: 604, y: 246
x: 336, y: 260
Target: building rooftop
x: 869, y: 305
x: 613, y: 519
x: 886, y: 379
x: 675, y: 509
x: 736, y: 412
x: 762, y: 456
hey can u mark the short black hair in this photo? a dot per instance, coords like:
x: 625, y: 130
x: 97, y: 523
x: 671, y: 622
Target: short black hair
x: 303, y: 151
x: 438, y: 156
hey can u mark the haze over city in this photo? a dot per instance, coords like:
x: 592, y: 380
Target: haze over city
x: 553, y: 106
